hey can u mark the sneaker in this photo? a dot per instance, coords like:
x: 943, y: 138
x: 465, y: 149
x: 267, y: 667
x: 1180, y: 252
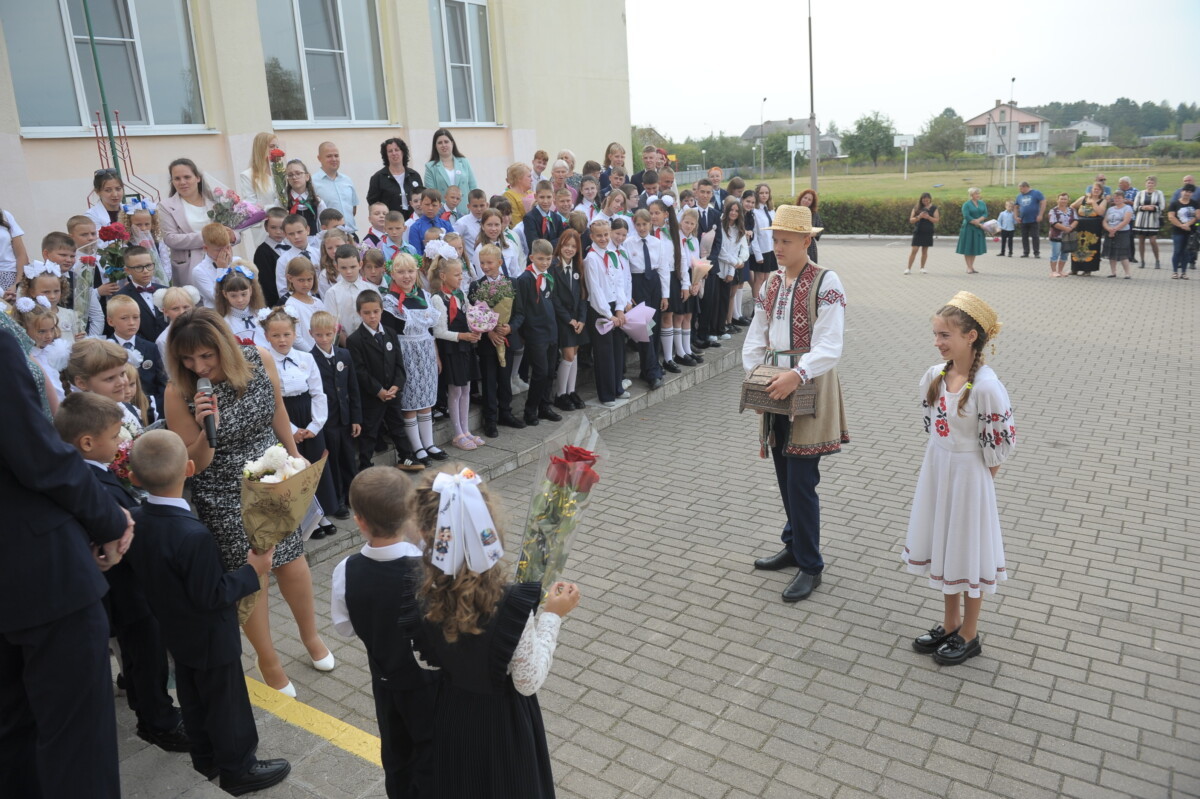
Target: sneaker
x: 609, y: 404
x: 626, y: 383
x: 923, y: 270
x: 624, y: 395
x: 725, y: 337
x: 908, y: 271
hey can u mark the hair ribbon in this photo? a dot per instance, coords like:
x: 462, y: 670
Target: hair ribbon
x: 239, y: 268
x: 465, y: 530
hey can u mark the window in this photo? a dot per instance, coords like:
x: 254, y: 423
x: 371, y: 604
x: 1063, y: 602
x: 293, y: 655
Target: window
x: 334, y: 51
x: 1027, y: 147
x: 462, y: 61
x: 1000, y: 149
x: 1029, y: 127
x: 979, y: 130
x: 146, y: 60
x: 1003, y: 129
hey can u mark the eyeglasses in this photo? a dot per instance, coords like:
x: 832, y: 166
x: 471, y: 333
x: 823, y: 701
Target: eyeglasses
x: 139, y: 268
x: 1101, y: 180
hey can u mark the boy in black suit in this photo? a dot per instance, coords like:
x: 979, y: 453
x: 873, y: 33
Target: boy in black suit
x: 369, y: 591
x: 139, y: 267
x: 710, y: 324
x: 267, y: 254
x: 534, y: 315
x: 345, y: 405
x: 91, y: 424
x: 195, y: 599
x: 379, y: 368
x: 124, y: 318
x: 541, y: 222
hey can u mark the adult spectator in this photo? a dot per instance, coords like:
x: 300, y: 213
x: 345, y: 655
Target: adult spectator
x: 247, y: 403
x: 1089, y: 210
x: 12, y: 253
x: 110, y: 190
x: 560, y: 172
x: 808, y: 199
x: 1103, y: 181
x: 182, y: 216
x: 58, y: 726
x: 1188, y: 180
x: 924, y: 217
x: 256, y: 184
x: 971, y: 239
x: 614, y: 156
x: 1062, y: 220
x: 1125, y: 186
x: 1031, y: 207
x: 1118, y: 230
x: 332, y: 187
x: 448, y: 167
x: 1148, y: 208
x: 574, y: 179
x: 649, y: 164
x: 396, y: 184
x: 1182, y: 215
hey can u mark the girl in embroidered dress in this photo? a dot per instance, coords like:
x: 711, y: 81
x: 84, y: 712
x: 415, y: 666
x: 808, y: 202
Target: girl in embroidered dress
x: 239, y: 299
x: 455, y: 345
x: 301, y: 275
x: 492, y: 648
x: 954, y: 529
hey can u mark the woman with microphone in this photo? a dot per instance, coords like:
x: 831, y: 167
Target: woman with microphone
x: 215, y: 382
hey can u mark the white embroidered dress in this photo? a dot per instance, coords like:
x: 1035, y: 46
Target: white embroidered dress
x: 954, y: 528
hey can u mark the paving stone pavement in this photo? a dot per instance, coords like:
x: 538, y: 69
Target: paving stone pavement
x: 682, y: 674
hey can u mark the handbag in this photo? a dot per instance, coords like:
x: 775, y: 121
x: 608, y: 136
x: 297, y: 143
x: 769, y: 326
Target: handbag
x: 1070, y: 241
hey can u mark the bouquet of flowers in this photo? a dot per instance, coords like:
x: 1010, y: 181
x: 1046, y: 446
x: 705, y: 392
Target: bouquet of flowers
x: 277, y: 493
x: 233, y: 212
x: 481, y: 318
x: 85, y: 271
x: 568, y: 462
x: 120, y: 465
x: 114, y: 238
x: 278, y: 168
x: 497, y: 295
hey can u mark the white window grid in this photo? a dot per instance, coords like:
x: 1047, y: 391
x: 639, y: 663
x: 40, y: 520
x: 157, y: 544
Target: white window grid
x: 470, y: 67
x: 339, y: 35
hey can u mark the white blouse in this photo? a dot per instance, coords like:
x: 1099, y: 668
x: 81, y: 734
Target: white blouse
x: 771, y: 328
x: 298, y: 374
x: 763, y: 240
x: 245, y: 325
x: 305, y: 311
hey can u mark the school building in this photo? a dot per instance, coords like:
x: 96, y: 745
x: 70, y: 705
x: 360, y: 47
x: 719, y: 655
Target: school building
x: 199, y: 78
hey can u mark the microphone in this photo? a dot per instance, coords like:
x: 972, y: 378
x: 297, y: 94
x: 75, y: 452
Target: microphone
x: 204, y: 385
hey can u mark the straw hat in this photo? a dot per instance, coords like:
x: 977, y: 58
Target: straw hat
x: 978, y: 310
x: 794, y: 219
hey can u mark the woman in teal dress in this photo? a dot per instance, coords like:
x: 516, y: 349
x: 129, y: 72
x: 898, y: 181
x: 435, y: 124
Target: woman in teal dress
x: 971, y: 239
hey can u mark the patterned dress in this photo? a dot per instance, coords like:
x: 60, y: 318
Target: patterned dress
x: 244, y: 434
x: 417, y: 349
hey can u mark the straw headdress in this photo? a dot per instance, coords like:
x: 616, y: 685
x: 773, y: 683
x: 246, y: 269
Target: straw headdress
x: 978, y: 310
x: 795, y: 219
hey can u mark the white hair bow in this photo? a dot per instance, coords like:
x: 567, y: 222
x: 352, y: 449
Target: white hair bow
x: 440, y: 249
x: 239, y: 268
x: 263, y: 313
x: 667, y: 200
x: 35, y: 268
x: 292, y: 312
x: 139, y: 205
x: 465, y: 530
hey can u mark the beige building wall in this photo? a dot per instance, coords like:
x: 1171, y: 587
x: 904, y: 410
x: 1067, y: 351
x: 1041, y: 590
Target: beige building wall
x: 548, y: 95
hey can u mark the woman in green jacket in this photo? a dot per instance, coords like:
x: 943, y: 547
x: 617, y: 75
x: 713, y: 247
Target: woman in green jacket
x: 448, y: 167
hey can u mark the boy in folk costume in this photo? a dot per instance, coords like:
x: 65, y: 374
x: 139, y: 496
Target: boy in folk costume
x: 799, y: 319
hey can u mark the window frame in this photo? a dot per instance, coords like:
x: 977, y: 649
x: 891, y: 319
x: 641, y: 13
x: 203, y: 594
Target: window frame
x: 148, y: 128
x: 447, y: 67
x: 351, y: 121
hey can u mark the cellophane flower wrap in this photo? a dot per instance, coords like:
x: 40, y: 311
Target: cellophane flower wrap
x: 114, y: 239
x: 85, y: 267
x: 499, y: 296
x: 481, y: 318
x: 233, y: 212
x: 277, y: 492
x: 278, y: 169
x: 569, y: 468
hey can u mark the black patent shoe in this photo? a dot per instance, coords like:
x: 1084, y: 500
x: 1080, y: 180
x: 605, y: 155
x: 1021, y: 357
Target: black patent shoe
x: 577, y: 401
x: 263, y: 774
x: 697, y: 357
x: 686, y: 360
x: 780, y: 560
x: 173, y: 740
x: 671, y: 367
x: 800, y: 587
x: 563, y: 403
x: 928, y: 643
x: 956, y: 650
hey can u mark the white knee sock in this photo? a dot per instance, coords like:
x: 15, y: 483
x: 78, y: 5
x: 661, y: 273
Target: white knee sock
x: 425, y: 425
x: 414, y: 436
x: 516, y: 357
x: 563, y: 378
x: 687, y: 341
x: 677, y: 337
x: 464, y: 408
x: 574, y: 376
x: 667, y: 335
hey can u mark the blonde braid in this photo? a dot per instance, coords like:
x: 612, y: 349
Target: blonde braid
x: 935, y: 387
x: 975, y: 364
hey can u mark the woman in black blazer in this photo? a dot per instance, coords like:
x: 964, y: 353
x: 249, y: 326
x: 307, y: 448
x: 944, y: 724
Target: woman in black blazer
x: 395, y: 185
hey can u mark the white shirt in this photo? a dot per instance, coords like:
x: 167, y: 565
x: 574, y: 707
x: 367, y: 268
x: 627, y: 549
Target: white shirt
x: 245, y: 324
x: 734, y: 251
x: 337, y: 192
x: 304, y: 311
x: 689, y: 255
x: 204, y: 278
x: 511, y: 257
x: 339, y: 612
x: 659, y: 263
x: 341, y: 299
x: 99, y: 214
x: 598, y: 272
x: 174, y: 502
x: 771, y: 328
x: 298, y: 374
x: 763, y: 240
x: 285, y: 257
x: 468, y: 228
x: 622, y: 277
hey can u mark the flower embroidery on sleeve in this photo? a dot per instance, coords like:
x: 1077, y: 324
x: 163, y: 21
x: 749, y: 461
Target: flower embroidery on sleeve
x: 942, y: 425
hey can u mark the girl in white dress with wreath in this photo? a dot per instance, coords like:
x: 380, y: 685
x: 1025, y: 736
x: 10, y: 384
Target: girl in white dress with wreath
x: 954, y: 530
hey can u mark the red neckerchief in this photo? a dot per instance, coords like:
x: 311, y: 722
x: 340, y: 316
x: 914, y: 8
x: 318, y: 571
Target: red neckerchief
x: 452, y: 310
x: 539, y: 277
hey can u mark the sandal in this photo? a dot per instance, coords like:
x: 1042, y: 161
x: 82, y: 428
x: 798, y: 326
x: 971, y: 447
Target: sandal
x: 463, y: 442
x: 479, y: 442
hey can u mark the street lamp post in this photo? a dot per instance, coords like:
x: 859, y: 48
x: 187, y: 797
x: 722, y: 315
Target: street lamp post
x: 704, y: 159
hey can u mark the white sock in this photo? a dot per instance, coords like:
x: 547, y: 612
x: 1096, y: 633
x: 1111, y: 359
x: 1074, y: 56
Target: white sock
x: 516, y: 363
x: 737, y: 301
x: 425, y: 426
x: 687, y: 341
x: 571, y: 380
x: 666, y: 335
x: 677, y: 338
x: 563, y: 378
x: 414, y: 436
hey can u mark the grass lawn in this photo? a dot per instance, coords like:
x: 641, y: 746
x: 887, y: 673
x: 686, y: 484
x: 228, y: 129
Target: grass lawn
x: 951, y: 186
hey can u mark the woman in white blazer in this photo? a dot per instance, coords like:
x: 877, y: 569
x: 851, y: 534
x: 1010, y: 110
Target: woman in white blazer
x: 257, y: 185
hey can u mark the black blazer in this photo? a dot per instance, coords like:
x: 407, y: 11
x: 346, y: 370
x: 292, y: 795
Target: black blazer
x: 568, y: 296
x: 151, y: 371
x: 534, y: 314
x: 710, y: 218
x: 384, y: 189
x: 533, y: 226
x: 153, y: 322
x: 178, y: 565
x: 341, y: 387
x: 54, y: 507
x: 265, y: 258
x: 126, y: 601
x: 377, y: 365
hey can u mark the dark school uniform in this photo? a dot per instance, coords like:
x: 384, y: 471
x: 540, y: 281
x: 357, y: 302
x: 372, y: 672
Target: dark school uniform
x: 152, y: 323
x: 345, y: 409
x: 569, y: 302
x: 151, y: 371
x: 459, y: 364
x: 715, y: 301
x: 265, y: 258
x: 378, y: 365
x: 495, y: 380
x: 177, y: 562
x: 534, y: 314
x: 540, y: 225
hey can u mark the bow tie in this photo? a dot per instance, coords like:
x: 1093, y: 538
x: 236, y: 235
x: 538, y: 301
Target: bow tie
x: 248, y: 319
x: 283, y: 247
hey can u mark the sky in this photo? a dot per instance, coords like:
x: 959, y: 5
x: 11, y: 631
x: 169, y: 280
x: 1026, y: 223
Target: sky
x: 908, y: 61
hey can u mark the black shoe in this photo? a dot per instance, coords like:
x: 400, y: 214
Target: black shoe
x: 440, y: 412
x: 438, y: 454
x: 317, y: 534
x: 800, y: 587
x: 714, y: 344
x: 328, y: 529
x: 547, y: 412
x: 928, y: 643
x: 343, y: 512
x: 508, y: 420
x: 780, y: 560
x: 175, y: 740
x: 577, y: 401
x: 563, y: 403
x: 697, y: 357
x: 671, y: 367
x: 409, y: 464
x: 207, y: 771
x: 700, y: 343
x: 956, y: 650
x: 742, y: 321
x: 263, y: 774
x: 1026, y: 255
x: 425, y: 459
x: 731, y: 329
x: 490, y: 430
x: 656, y: 383
x: 686, y: 360
x: 531, y: 420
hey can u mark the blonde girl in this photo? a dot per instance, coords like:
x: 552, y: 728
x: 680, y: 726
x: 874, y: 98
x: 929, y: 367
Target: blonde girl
x: 39, y: 320
x: 44, y: 279
x: 328, y: 274
x: 239, y: 298
x: 173, y: 302
x: 301, y: 275
x: 140, y: 218
x: 409, y: 303
x: 614, y: 205
x: 135, y: 397
x: 98, y: 366
x: 456, y: 345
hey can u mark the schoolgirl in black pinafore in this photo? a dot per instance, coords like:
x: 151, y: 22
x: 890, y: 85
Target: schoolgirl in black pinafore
x: 570, y: 302
x: 459, y: 363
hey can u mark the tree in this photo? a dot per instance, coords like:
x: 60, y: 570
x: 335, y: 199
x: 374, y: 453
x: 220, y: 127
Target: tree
x: 943, y: 135
x: 871, y: 137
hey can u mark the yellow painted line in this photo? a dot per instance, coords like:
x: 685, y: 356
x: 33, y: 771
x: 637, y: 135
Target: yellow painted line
x: 337, y: 732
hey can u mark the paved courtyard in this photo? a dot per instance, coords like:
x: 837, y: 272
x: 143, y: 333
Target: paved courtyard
x: 682, y: 674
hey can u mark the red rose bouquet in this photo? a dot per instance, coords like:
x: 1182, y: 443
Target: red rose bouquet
x: 278, y: 168
x: 568, y: 463
x: 114, y: 239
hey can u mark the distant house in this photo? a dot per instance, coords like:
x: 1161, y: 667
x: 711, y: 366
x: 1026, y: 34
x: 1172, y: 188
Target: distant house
x: 1089, y: 127
x: 1008, y: 130
x: 754, y: 133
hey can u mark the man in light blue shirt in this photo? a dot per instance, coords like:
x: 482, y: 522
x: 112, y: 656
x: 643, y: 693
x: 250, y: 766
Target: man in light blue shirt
x: 335, y: 189
x: 1031, y: 205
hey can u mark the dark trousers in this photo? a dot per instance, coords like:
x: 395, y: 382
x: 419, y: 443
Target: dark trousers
x: 1029, y: 230
x: 712, y: 318
x: 143, y: 653
x: 495, y: 380
x: 647, y: 289
x: 218, y: 718
x: 381, y: 417
x: 58, y: 725
x: 1006, y: 241
x: 798, y: 479
x: 405, y: 721
x: 607, y: 359
x: 1179, y: 253
x: 342, y: 464
x: 542, y: 357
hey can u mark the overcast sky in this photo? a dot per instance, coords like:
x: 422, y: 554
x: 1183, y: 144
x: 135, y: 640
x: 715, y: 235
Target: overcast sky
x: 701, y: 66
